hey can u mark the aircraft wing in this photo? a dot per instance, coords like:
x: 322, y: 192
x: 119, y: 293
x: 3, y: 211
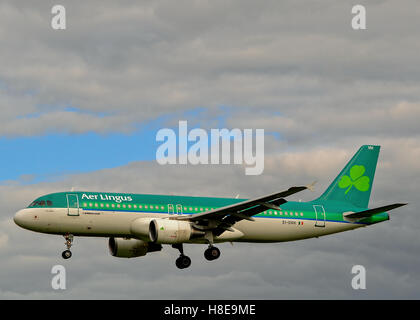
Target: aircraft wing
x: 221, y: 219
x: 371, y: 212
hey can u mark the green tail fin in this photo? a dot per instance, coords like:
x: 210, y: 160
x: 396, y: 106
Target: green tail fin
x: 354, y: 183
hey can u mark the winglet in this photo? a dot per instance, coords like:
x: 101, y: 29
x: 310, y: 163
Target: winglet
x: 311, y: 186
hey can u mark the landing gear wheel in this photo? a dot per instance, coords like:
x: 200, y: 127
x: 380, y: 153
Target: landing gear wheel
x: 69, y: 241
x: 66, y: 254
x: 212, y: 253
x: 183, y: 262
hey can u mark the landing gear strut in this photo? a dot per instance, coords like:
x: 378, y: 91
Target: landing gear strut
x: 69, y: 241
x: 183, y: 261
x: 212, y: 253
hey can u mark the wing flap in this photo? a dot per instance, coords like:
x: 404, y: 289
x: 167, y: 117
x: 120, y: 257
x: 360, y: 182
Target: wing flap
x: 247, y: 208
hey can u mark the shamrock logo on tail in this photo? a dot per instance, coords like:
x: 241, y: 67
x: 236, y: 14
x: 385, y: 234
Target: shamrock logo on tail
x: 356, y: 179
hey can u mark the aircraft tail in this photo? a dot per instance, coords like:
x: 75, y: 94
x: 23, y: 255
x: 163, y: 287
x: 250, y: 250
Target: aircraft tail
x: 354, y: 183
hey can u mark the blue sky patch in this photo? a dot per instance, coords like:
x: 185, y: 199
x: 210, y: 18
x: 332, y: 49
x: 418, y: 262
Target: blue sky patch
x: 45, y: 157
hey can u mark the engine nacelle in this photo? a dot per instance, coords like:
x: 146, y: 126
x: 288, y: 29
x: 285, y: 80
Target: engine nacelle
x: 130, y: 248
x: 139, y: 228
x: 167, y: 231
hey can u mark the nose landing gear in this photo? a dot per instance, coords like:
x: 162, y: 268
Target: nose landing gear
x: 66, y: 254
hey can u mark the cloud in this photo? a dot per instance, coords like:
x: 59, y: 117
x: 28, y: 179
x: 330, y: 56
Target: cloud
x: 3, y: 240
x: 138, y: 61
x: 64, y: 122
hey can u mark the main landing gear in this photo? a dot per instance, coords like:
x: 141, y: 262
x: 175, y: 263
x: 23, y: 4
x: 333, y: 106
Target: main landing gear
x: 183, y: 261
x: 69, y: 241
x: 212, y: 253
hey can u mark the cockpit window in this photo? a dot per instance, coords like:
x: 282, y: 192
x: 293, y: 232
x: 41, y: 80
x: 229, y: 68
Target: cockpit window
x: 41, y: 203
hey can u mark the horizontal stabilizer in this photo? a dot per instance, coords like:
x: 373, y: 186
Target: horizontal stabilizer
x: 371, y: 212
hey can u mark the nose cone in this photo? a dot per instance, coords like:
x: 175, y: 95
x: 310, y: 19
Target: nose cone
x: 21, y: 219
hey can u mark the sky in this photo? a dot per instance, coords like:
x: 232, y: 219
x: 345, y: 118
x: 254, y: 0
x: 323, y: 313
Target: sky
x: 81, y: 107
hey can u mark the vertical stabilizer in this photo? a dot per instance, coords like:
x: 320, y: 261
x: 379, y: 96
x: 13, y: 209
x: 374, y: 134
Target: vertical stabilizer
x: 354, y: 183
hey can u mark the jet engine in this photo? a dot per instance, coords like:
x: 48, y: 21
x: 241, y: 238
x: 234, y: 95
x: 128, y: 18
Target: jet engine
x: 140, y: 228
x: 167, y: 231
x: 130, y: 248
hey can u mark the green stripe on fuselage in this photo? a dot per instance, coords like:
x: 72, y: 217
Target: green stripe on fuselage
x: 191, y: 205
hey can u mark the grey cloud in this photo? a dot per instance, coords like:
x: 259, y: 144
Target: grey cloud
x: 143, y: 60
x: 62, y: 121
x: 307, y: 125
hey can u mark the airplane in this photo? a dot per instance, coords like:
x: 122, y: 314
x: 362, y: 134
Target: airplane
x: 137, y: 224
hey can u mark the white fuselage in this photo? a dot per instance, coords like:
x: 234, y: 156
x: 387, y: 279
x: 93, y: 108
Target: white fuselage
x: 99, y: 223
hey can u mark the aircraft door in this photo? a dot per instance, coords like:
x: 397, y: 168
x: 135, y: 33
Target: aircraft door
x: 320, y: 216
x: 179, y: 209
x: 72, y: 205
x: 171, y: 209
